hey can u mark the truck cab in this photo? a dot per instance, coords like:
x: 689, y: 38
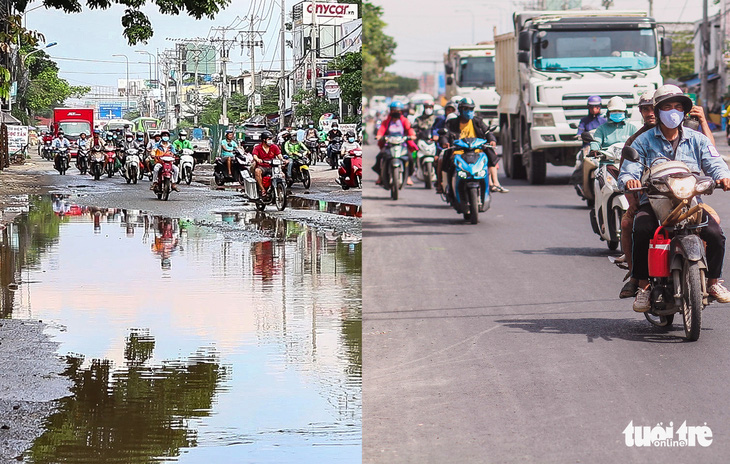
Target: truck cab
x: 470, y: 73
x: 549, y: 67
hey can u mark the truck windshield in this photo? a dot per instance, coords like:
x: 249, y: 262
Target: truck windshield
x: 74, y: 128
x: 614, y: 50
x: 476, y: 71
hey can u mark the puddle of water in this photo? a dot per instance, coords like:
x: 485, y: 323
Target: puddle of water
x: 187, y: 345
x: 332, y: 207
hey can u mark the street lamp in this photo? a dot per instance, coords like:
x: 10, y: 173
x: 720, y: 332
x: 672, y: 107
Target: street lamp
x: 52, y: 44
x: 150, y: 100
x: 127, y: 83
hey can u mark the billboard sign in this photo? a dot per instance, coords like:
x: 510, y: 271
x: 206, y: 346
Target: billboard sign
x: 352, y: 36
x: 333, y: 14
x: 17, y: 138
x: 110, y: 111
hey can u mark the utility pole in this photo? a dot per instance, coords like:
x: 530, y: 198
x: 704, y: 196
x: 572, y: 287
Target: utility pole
x: 313, y: 49
x: 224, y: 70
x: 282, y: 78
x: 705, y: 50
x: 252, y: 42
x: 651, y: 8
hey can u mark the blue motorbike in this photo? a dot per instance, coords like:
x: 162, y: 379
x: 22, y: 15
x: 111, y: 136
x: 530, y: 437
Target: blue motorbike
x: 468, y: 189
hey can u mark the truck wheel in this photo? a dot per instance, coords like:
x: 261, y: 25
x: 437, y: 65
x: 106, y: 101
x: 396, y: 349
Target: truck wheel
x: 536, y: 168
x: 512, y: 163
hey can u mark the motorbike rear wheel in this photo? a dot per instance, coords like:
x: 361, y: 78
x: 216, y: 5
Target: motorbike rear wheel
x: 166, y: 187
x: 474, y: 205
x: 260, y: 205
x: 133, y: 174
x: 692, y: 300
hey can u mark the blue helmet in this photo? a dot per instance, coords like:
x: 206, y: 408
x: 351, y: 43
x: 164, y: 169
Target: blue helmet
x: 397, y: 105
x: 594, y: 100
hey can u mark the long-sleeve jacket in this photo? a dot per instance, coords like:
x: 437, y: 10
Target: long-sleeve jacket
x: 610, y: 133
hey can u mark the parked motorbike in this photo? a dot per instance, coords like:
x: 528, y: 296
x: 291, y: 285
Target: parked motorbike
x: 164, y: 181
x: 468, y: 188
x: 62, y: 159
x: 299, y: 171
x: 425, y: 162
x: 353, y: 178
x: 187, y: 164
x: 335, y: 147
x: 610, y: 203
x: 131, y: 165
x: 240, y: 163
x: 274, y: 188
x: 677, y: 261
x: 82, y: 160
x: 96, y: 166
x: 394, y: 163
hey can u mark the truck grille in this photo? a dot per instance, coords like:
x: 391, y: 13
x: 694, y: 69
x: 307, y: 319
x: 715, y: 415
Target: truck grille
x: 576, y: 108
x: 487, y: 111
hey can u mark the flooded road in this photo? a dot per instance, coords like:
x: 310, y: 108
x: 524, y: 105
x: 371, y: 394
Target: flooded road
x: 230, y: 338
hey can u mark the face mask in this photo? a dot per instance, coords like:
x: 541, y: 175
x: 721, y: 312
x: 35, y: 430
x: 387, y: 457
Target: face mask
x: 671, y: 118
x: 469, y: 114
x: 129, y: 139
x: 395, y: 114
x: 617, y: 117
x: 165, y: 139
x: 351, y: 139
x: 140, y: 138
x: 182, y: 137
x: 428, y: 111
x: 311, y: 126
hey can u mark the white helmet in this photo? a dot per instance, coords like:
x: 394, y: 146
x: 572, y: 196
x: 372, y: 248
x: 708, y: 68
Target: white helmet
x: 671, y: 92
x: 616, y: 104
x: 456, y: 99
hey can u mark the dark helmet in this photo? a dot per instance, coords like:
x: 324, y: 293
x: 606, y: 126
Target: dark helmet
x: 266, y: 135
x: 350, y: 133
x: 286, y: 135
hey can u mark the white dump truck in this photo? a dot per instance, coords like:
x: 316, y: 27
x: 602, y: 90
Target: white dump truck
x: 470, y: 73
x: 549, y: 66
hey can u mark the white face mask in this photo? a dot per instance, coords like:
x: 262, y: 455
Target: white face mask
x: 428, y: 111
x: 671, y: 118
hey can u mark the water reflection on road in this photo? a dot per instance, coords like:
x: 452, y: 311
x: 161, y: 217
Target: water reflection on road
x: 188, y: 342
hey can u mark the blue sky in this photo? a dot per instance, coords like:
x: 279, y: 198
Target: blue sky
x: 97, y: 35
x: 424, y: 29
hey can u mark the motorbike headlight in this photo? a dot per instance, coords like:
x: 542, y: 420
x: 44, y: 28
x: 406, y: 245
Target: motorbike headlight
x: 543, y: 119
x: 703, y: 185
x: 682, y: 187
x: 462, y: 174
x: 481, y: 173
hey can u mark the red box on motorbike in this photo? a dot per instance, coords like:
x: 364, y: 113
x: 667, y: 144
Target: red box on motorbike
x: 659, y: 254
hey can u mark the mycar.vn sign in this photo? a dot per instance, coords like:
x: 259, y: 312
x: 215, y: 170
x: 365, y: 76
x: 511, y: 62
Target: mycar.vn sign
x: 328, y: 13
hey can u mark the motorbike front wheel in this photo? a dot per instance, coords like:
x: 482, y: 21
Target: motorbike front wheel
x: 280, y: 196
x: 166, y: 187
x: 394, y: 177
x: 474, y: 205
x: 306, y: 179
x: 133, y: 174
x: 188, y: 175
x: 428, y: 174
x: 692, y: 300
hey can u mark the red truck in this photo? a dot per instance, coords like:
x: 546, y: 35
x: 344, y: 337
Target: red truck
x: 73, y: 121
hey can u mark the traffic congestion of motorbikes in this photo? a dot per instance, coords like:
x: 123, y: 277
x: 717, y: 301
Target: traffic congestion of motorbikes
x: 647, y: 182
x: 266, y: 170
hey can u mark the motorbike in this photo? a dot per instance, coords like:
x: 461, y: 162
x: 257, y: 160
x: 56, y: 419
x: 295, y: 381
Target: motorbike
x: 299, y: 171
x: 148, y: 166
x: 111, y: 159
x: 334, y: 148
x: 467, y: 190
x: 82, y: 160
x: 610, y: 203
x: 274, y: 188
x: 583, y: 176
x: 425, y: 162
x: 61, y: 158
x: 96, y: 165
x: 394, y: 163
x: 46, y: 150
x: 312, y: 144
x: 187, y: 164
x: 164, y: 181
x: 239, y: 164
x: 131, y: 165
x: 352, y: 179
x: 677, y: 260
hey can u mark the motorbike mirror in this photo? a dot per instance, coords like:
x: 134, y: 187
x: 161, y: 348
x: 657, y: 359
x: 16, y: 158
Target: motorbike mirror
x: 586, y: 137
x: 573, y: 125
x: 493, y: 127
x: 630, y: 153
x: 442, y: 131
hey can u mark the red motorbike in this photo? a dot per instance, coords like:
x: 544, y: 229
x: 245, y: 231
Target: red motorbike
x: 352, y: 179
x: 111, y: 159
x: 164, y: 181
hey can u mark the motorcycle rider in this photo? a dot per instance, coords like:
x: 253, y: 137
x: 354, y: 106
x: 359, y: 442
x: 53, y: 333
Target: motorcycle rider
x: 349, y: 145
x: 668, y: 138
x: 334, y: 133
x: 228, y: 150
x: 310, y: 131
x: 164, y: 148
x: 182, y: 142
x: 424, y: 123
x: 468, y: 125
x: 263, y: 153
x: 295, y: 149
x: 440, y: 123
x: 395, y: 124
x: 59, y: 142
x: 82, y: 141
x: 587, y: 124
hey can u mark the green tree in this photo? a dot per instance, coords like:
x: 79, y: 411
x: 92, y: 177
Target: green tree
x: 310, y: 106
x: 377, y: 48
x: 681, y: 63
x: 391, y: 84
x: 351, y: 79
